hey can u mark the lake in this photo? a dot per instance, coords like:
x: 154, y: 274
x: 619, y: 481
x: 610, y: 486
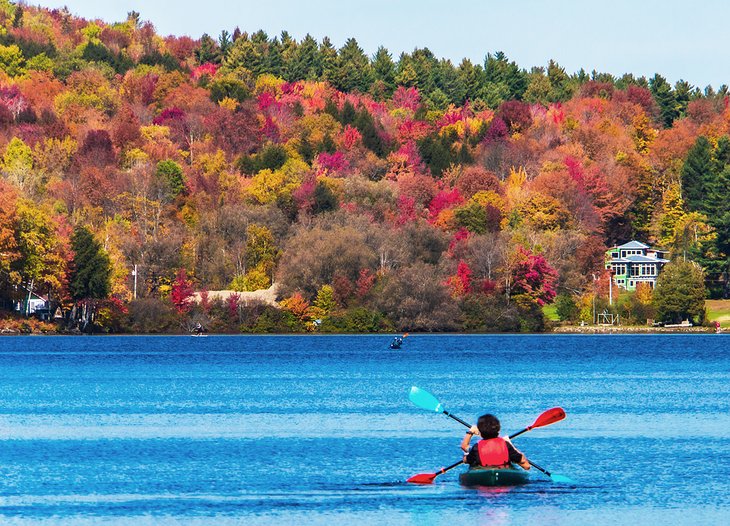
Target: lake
x: 319, y: 429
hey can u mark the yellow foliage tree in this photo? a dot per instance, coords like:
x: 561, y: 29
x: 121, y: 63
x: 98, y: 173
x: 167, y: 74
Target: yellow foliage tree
x: 515, y: 186
x: 268, y: 185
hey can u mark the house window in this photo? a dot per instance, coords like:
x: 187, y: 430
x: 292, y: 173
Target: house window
x: 631, y: 283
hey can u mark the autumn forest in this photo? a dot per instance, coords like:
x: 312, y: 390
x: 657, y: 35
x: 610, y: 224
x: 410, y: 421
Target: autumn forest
x: 140, y: 173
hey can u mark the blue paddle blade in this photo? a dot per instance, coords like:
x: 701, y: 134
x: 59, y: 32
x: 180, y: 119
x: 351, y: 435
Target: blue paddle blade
x: 562, y: 479
x: 425, y: 400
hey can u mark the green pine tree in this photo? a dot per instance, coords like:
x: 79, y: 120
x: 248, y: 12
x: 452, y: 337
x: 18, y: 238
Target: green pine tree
x: 91, y: 269
x: 696, y: 172
x: 665, y: 99
x: 680, y: 292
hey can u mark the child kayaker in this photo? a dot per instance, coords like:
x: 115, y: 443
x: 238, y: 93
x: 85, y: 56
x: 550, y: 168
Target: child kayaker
x: 491, y: 450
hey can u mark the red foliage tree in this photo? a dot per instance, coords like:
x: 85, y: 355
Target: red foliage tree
x: 406, y: 210
x: 205, y: 300
x: 182, y: 292
x: 97, y: 149
x: 460, y: 283
x: 365, y: 282
x: 516, y: 115
x: 474, y: 179
x: 343, y: 289
x: 533, y: 277
x: 232, y: 303
x: 497, y: 131
x: 443, y: 200
x: 418, y: 187
x: 125, y: 128
x: 407, y: 98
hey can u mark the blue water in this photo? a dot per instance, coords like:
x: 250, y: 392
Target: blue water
x: 319, y: 430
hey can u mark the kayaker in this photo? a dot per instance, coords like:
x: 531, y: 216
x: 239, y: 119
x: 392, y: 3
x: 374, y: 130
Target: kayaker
x: 491, y: 450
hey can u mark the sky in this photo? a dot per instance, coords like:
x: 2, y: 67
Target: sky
x: 677, y: 39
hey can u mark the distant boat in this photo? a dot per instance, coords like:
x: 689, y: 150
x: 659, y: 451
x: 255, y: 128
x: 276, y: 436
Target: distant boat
x: 685, y: 324
x: 397, y: 342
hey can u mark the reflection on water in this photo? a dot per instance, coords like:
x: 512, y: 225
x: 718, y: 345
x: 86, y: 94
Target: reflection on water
x: 319, y: 430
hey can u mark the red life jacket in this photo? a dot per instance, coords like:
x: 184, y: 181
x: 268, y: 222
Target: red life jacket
x: 493, y: 452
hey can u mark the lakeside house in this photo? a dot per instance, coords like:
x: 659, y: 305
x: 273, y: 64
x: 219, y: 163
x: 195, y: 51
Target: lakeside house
x: 633, y: 263
x: 33, y: 303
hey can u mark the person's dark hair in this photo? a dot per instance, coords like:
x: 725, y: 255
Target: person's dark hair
x: 488, y: 426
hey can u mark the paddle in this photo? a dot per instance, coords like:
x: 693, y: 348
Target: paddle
x: 427, y: 401
x: 556, y: 414
x: 428, y: 478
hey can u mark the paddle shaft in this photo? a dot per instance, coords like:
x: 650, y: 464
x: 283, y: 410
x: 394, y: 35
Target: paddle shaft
x: 452, y: 466
x: 520, y: 432
x: 539, y: 468
x: 457, y: 419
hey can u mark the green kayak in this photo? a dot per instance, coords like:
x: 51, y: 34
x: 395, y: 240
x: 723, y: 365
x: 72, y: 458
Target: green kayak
x: 494, y: 477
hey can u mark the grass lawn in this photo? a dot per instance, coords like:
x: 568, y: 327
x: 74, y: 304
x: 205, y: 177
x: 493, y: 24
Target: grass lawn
x: 718, y: 310
x: 551, y: 312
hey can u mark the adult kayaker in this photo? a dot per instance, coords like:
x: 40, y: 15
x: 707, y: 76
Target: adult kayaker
x: 491, y: 451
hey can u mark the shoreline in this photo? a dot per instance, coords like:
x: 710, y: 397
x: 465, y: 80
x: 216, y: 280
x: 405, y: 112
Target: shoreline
x: 608, y: 329
x: 573, y: 329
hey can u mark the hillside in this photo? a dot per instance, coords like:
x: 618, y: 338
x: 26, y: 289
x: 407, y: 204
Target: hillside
x: 380, y: 193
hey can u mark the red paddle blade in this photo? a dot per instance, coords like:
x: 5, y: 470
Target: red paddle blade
x: 423, y: 478
x: 556, y: 414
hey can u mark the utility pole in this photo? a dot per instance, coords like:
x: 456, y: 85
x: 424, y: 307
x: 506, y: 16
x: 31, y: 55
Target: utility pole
x: 610, y: 286
x: 134, y: 273
x: 30, y: 293
x: 594, y: 297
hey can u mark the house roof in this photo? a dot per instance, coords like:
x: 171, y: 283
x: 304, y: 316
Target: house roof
x: 634, y: 245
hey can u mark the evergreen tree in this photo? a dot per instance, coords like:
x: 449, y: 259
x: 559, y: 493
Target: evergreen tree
x: 348, y: 114
x: 695, y: 174
x: 249, y: 54
x: 498, y: 70
x: 370, y: 137
x: 436, y: 153
x: 665, y: 99
x: 450, y: 83
x: 224, y: 43
x: 274, y: 61
x: 471, y: 78
x: 682, y: 94
x: 324, y: 199
x: 90, y: 269
x: 172, y: 175
x: 680, y: 292
x: 717, y: 203
x: 352, y: 69
x: 425, y: 66
x: 305, y: 61
x: 721, y: 155
x: 327, y: 144
x: 207, y: 51
x: 305, y: 148
x: 384, y: 71
x: 561, y: 89
x: 328, y: 59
